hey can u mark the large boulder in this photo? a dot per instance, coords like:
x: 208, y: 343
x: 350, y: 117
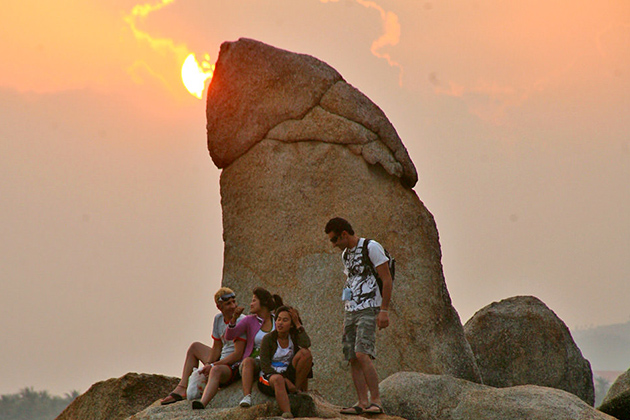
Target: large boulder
x: 298, y: 145
x: 418, y: 396
x: 520, y: 341
x: 119, y: 398
x: 309, y: 404
x: 617, y: 400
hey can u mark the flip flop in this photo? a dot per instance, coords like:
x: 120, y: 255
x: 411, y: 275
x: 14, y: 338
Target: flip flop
x: 356, y: 410
x: 198, y: 405
x: 175, y: 398
x: 379, y: 409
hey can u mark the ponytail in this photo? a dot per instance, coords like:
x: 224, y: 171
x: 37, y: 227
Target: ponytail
x: 277, y: 302
x: 268, y: 300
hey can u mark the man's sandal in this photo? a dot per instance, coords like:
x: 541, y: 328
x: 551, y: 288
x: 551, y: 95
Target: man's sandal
x: 356, y: 410
x: 378, y: 409
x: 175, y: 397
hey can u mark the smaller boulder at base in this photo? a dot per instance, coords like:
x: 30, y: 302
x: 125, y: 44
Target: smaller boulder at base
x: 119, y: 398
x: 617, y: 400
x: 419, y: 396
x: 520, y: 341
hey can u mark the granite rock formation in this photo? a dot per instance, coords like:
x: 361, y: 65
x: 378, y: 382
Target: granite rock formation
x: 298, y: 145
x: 617, y: 400
x: 520, y: 341
x: 119, y: 398
x: 306, y: 405
x: 417, y: 396
x: 261, y: 92
x: 231, y: 395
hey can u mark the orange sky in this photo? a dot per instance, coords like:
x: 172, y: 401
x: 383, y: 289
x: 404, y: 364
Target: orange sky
x: 516, y: 115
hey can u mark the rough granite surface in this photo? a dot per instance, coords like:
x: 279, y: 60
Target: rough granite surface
x: 299, y: 146
x: 520, y: 341
x: 418, y: 396
x: 617, y: 400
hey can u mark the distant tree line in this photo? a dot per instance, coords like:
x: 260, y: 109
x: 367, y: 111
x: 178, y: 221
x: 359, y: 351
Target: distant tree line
x: 29, y: 404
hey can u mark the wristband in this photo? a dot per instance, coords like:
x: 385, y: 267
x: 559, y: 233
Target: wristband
x: 384, y: 310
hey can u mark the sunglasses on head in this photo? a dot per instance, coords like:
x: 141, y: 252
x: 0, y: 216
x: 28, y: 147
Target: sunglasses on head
x: 227, y: 297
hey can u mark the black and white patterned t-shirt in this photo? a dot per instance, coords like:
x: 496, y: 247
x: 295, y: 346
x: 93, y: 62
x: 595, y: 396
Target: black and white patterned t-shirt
x: 360, y: 280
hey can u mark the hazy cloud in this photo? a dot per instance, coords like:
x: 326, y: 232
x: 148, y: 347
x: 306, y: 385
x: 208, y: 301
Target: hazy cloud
x: 390, y: 37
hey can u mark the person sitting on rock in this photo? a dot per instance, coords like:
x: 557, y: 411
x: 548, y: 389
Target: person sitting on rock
x: 253, y: 328
x: 222, y: 359
x: 285, y: 359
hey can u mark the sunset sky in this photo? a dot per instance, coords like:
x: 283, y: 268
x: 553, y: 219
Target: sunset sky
x: 515, y: 113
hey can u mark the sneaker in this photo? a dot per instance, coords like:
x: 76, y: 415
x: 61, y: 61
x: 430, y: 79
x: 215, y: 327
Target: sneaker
x: 246, y: 401
x: 287, y: 415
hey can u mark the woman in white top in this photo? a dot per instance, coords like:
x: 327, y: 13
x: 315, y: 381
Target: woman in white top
x: 285, y: 359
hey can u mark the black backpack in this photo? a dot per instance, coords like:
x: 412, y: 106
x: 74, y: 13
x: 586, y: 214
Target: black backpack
x: 367, y: 263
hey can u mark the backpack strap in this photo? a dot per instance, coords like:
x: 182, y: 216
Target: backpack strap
x: 367, y: 263
x: 365, y: 255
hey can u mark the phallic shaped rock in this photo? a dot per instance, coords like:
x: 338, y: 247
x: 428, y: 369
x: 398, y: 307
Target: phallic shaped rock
x: 349, y: 102
x: 418, y: 396
x: 281, y: 184
x: 617, y: 400
x: 520, y: 341
x: 119, y: 398
x: 258, y: 91
x: 256, y: 87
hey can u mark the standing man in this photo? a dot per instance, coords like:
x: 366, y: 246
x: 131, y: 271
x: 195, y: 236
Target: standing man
x: 366, y: 307
x: 221, y: 360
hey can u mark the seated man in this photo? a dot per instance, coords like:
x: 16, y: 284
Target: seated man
x: 221, y: 360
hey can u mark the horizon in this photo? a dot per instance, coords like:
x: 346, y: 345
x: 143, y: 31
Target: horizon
x: 608, y: 374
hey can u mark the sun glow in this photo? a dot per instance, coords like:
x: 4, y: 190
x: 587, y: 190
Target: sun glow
x: 194, y: 75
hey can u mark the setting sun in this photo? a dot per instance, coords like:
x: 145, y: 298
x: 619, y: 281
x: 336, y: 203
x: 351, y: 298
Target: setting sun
x: 195, y: 75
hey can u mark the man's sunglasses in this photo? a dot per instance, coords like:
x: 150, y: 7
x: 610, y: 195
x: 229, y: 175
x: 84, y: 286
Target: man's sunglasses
x: 227, y: 297
x: 334, y: 239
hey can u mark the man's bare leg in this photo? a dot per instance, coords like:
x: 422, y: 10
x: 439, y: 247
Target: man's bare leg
x: 360, y: 385
x: 197, y: 352
x: 218, y: 375
x: 370, y: 377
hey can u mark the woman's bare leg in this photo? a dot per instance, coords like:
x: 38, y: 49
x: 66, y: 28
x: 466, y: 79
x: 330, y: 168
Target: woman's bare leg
x: 302, y: 362
x: 249, y: 369
x: 291, y: 388
x: 279, y: 387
